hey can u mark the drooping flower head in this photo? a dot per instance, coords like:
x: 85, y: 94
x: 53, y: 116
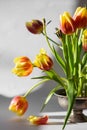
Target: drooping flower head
x: 18, y: 105
x: 67, y: 24
x: 84, y: 40
x: 43, y: 61
x: 80, y: 17
x: 23, y: 66
x: 35, y: 26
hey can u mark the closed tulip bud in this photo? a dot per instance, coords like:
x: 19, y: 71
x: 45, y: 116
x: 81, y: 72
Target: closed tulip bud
x: 35, y: 26
x: 58, y: 33
x: 36, y: 120
x: 67, y: 23
x: 80, y: 17
x: 84, y: 40
x: 18, y: 105
x: 23, y: 66
x: 43, y: 61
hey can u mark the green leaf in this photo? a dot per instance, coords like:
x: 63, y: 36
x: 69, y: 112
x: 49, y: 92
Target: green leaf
x: 50, y: 96
x: 70, y: 54
x: 80, y: 41
x: 84, y: 59
x: 59, y: 59
x: 65, y: 55
x: 71, y: 94
x: 41, y: 77
x: 54, y: 76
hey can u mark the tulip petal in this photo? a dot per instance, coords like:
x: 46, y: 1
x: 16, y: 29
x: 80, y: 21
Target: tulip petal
x: 36, y: 120
x: 67, y: 23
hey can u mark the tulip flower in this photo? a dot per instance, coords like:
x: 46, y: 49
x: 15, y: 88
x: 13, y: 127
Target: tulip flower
x: 84, y: 40
x: 80, y: 17
x: 67, y: 23
x: 35, y: 26
x: 23, y: 66
x: 38, y: 120
x: 18, y: 105
x: 43, y: 61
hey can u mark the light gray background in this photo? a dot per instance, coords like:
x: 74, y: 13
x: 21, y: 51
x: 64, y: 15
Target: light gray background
x: 15, y: 41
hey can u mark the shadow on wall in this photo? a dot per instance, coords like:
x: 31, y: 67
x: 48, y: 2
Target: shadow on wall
x: 82, y: 3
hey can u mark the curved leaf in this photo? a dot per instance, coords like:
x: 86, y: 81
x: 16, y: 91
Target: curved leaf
x: 49, y: 96
x: 71, y: 94
x: 59, y: 59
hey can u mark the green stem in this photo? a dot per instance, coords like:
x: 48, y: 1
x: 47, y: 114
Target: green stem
x: 54, y: 42
x: 45, y: 34
x: 33, y: 87
x: 65, y: 53
x: 80, y: 83
x: 76, y: 59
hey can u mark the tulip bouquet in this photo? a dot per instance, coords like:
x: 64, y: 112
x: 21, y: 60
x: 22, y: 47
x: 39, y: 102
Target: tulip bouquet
x: 72, y: 34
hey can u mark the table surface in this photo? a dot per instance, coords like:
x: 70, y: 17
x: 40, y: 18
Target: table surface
x: 10, y: 121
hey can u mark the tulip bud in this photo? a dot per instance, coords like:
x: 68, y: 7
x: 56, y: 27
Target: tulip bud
x: 38, y: 120
x: 67, y: 23
x: 58, y: 33
x: 80, y: 17
x: 18, y: 105
x: 23, y: 66
x: 84, y: 40
x: 35, y: 26
x: 43, y: 61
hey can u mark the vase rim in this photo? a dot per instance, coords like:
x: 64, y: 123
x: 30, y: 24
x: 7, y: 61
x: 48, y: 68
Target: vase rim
x: 61, y: 93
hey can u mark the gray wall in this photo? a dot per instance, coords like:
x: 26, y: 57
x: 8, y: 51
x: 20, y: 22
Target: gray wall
x: 16, y: 41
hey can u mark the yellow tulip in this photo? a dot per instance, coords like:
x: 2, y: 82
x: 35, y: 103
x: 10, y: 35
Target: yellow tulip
x: 43, y: 61
x: 23, y: 66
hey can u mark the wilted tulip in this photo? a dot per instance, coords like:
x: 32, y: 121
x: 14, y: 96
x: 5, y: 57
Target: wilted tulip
x: 43, y: 61
x: 23, y: 66
x: 35, y: 26
x: 67, y: 23
x: 84, y: 40
x: 80, y: 17
x: 36, y: 120
x: 18, y: 105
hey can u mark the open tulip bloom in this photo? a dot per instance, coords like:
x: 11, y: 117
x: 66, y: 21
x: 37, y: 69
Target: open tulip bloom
x: 72, y: 34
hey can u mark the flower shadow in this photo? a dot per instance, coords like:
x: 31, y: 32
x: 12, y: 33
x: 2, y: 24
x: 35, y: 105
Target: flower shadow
x: 56, y: 120
x: 20, y: 123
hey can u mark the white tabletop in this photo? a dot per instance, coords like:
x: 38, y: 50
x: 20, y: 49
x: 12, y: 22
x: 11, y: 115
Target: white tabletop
x: 9, y: 121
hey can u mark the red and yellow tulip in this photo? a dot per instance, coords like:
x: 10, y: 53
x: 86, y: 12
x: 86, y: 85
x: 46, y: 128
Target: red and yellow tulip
x: 80, y: 17
x: 43, y: 61
x: 35, y: 26
x: 23, y: 66
x: 37, y: 120
x: 18, y: 105
x: 67, y: 24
